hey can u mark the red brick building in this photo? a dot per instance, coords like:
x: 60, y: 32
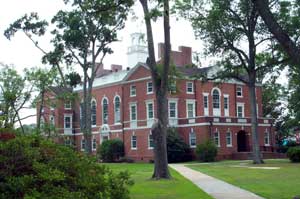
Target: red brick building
x: 123, y: 106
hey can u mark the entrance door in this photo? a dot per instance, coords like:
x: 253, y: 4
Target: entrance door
x: 242, y: 141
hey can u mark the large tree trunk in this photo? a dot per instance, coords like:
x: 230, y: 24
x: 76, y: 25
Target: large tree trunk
x: 254, y: 125
x: 159, y: 130
x: 40, y: 111
x: 282, y: 37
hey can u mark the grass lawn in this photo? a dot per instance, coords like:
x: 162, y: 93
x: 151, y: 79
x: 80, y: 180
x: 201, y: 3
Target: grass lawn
x: 145, y: 188
x: 283, y: 183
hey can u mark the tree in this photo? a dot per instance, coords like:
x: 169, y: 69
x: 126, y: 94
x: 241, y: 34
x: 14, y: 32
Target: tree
x: 233, y: 31
x: 282, y: 35
x: 82, y: 36
x: 14, y: 93
x: 159, y: 129
x: 31, y: 26
x: 41, y: 79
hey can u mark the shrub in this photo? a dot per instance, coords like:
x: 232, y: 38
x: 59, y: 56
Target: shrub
x: 31, y: 167
x: 111, y: 150
x: 294, y: 154
x: 206, y: 151
x: 178, y: 150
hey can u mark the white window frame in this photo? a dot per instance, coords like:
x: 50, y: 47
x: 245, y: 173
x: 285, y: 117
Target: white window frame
x: 150, y: 121
x: 151, y: 91
x: 133, y: 148
x: 94, y: 114
x: 190, y: 85
x: 82, y: 144
x: 173, y: 121
x: 149, y: 141
x: 117, y: 115
x: 230, y: 137
x: 52, y: 120
x: 216, y: 111
x: 70, y: 116
x: 94, y: 141
x: 102, y: 106
x: 193, y: 103
x: 219, y: 143
x: 243, y: 109
x: 241, y: 87
x: 68, y: 105
x: 226, y: 110
x: 192, y: 135
x: 132, y: 90
x: 133, y: 122
x: 206, y: 109
x: 267, y: 136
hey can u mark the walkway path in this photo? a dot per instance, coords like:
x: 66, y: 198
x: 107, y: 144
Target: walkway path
x: 214, y: 187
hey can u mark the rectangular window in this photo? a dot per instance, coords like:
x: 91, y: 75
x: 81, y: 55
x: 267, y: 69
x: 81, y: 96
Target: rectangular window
x: 190, y: 88
x: 67, y: 122
x: 133, y: 115
x: 190, y: 106
x: 149, y: 87
x: 132, y: 91
x: 68, y: 105
x: 226, y: 105
x: 150, y: 142
x: 239, y: 91
x: 205, y: 103
x: 267, y: 138
x: 172, y: 110
x: 192, y: 139
x: 82, y: 144
x: 228, y: 139
x: 94, y: 144
x: 133, y: 142
x: 172, y: 86
x: 217, y: 138
x: 240, y: 110
x: 150, y: 113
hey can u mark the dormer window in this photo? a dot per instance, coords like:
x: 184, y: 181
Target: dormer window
x: 190, y: 88
x: 239, y: 91
x: 132, y: 91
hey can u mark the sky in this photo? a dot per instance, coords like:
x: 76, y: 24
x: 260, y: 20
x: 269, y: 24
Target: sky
x: 21, y: 53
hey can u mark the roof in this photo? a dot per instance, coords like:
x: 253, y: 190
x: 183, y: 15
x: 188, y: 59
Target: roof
x: 110, y: 78
x: 59, y: 90
x: 192, y: 71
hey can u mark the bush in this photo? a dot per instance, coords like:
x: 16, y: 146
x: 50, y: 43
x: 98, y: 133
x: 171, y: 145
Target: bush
x: 206, y: 151
x: 111, y: 150
x: 31, y: 167
x: 178, y: 150
x: 294, y: 154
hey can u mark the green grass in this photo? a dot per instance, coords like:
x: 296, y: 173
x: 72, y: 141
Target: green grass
x: 283, y: 183
x: 145, y: 188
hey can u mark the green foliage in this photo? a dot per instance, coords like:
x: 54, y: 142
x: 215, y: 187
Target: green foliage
x: 178, y: 150
x: 73, y: 79
x: 294, y: 154
x: 111, y: 150
x: 31, y: 167
x: 206, y: 151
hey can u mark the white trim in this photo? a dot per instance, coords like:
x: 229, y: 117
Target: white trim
x: 70, y: 103
x: 239, y: 86
x: 131, y: 142
x: 206, y: 109
x: 150, y: 121
x: 190, y: 133
x: 228, y: 145
x: 186, y: 87
x: 131, y: 89
x: 149, y: 147
x: 216, y: 111
x: 226, y: 111
x: 148, y: 93
x: 133, y: 123
x: 219, y: 141
x: 193, y: 103
x: 239, y: 104
x: 115, y: 121
x: 173, y: 121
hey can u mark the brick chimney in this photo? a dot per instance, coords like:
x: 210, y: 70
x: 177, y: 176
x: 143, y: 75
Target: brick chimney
x: 115, y: 67
x: 182, y: 57
x: 101, y: 71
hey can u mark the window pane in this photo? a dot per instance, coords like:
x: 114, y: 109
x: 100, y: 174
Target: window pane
x: 216, y: 99
x: 105, y: 111
x: 150, y: 111
x: 172, y: 109
x: 205, y: 101
x: 117, y: 110
x: 149, y: 87
x: 133, y: 112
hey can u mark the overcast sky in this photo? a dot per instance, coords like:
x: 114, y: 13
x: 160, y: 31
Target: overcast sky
x: 20, y: 52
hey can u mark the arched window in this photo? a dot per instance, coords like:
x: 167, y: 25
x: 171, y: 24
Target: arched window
x: 93, y: 112
x: 216, y: 99
x: 117, y: 109
x: 104, y: 111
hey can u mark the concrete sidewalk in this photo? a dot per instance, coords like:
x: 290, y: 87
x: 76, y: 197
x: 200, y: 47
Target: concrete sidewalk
x: 214, y: 187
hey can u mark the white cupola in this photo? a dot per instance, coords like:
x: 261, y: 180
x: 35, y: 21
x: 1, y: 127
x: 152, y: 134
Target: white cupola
x: 138, y: 50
